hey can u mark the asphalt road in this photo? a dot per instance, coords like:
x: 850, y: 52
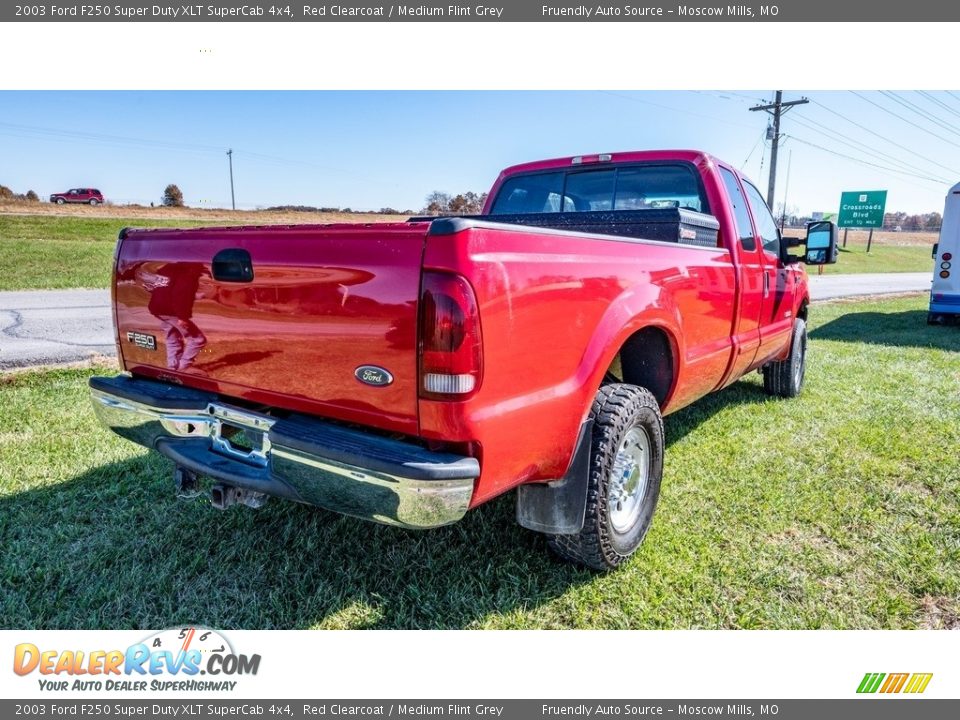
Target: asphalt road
x: 52, y: 327
x: 829, y: 287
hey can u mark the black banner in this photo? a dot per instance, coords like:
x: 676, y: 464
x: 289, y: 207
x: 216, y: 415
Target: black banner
x: 852, y: 11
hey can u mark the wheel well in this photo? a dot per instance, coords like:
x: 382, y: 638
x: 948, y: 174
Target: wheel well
x: 646, y: 360
x: 802, y: 312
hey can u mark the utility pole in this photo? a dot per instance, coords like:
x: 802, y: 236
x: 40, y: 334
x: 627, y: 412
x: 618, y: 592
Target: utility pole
x: 233, y: 201
x: 776, y: 109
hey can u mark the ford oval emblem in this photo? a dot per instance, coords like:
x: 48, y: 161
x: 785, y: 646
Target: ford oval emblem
x: 373, y: 375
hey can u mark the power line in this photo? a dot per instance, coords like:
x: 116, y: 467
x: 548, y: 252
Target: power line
x: 16, y: 130
x: 851, y: 143
x: 838, y: 136
x: 728, y: 95
x: 865, y: 162
x: 906, y: 120
x: 917, y: 110
x: 674, y: 109
x: 753, y: 149
x: 937, y: 101
x: 883, y: 137
x: 110, y: 139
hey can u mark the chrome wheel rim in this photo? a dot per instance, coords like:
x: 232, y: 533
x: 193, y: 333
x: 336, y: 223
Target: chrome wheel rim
x: 629, y: 479
x: 802, y: 364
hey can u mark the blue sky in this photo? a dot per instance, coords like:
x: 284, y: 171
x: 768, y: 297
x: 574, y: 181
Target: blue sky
x: 368, y: 150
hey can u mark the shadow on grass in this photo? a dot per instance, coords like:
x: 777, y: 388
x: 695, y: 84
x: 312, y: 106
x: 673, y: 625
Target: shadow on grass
x: 903, y: 329
x: 113, y: 548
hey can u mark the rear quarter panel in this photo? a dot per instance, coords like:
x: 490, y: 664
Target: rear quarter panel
x: 555, y: 309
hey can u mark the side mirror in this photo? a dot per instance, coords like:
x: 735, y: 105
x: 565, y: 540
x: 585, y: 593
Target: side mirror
x: 821, y: 243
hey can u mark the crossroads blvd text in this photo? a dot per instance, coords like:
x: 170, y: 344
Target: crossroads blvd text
x: 586, y: 12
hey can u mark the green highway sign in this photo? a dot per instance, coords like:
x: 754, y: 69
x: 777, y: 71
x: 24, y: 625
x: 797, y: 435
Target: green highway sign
x: 862, y: 209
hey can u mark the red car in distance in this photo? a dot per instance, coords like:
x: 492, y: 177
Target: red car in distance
x: 87, y: 196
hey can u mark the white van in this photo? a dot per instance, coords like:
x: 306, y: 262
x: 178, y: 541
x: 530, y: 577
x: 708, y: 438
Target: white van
x: 945, y: 292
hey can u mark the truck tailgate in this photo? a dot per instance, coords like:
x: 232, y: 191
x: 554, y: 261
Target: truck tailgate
x: 323, y: 301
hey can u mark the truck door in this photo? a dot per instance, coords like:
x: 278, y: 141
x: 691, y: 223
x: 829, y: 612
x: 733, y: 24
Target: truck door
x: 776, y: 314
x: 750, y: 274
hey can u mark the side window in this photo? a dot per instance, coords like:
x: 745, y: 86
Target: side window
x: 766, y: 225
x: 740, y: 212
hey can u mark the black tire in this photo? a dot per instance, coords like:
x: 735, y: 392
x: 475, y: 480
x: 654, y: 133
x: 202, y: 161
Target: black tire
x: 93, y: 201
x: 785, y: 378
x: 60, y: 201
x: 617, y: 409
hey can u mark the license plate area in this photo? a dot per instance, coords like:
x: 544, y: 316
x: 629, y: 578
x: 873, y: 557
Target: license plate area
x: 240, y: 434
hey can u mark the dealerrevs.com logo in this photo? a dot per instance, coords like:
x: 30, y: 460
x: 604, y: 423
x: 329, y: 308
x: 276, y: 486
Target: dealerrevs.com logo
x: 892, y: 683
x: 179, y: 659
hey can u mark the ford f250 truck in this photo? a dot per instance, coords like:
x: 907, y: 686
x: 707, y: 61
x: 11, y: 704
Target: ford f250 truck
x: 408, y: 372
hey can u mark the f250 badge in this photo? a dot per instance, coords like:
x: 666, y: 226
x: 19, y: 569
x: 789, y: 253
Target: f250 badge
x: 373, y: 375
x: 142, y: 340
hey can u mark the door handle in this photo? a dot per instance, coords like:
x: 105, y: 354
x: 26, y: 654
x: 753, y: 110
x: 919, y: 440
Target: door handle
x: 766, y: 283
x: 232, y: 265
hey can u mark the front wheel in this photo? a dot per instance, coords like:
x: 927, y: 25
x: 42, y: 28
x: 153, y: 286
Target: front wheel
x: 626, y: 466
x: 93, y: 201
x: 60, y: 201
x: 785, y: 378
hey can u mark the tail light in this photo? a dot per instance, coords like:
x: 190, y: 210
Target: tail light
x: 451, y: 351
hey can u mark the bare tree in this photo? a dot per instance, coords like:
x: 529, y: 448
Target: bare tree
x: 467, y: 203
x: 172, y: 196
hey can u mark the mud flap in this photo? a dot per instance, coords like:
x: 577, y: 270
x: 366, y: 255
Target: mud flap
x: 559, y: 507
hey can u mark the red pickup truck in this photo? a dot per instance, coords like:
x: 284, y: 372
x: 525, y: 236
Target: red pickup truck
x: 407, y: 372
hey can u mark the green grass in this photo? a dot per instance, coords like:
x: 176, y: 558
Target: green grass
x: 63, y: 252
x: 38, y: 251
x: 882, y: 258
x: 839, y: 509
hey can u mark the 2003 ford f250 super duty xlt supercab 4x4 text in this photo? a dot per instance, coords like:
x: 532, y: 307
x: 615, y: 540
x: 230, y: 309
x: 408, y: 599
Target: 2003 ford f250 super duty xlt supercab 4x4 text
x: 407, y: 372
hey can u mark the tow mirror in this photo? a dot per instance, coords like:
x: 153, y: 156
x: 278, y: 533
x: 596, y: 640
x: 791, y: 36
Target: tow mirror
x: 821, y: 243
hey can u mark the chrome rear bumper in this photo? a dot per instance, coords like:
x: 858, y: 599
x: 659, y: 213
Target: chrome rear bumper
x: 297, y: 457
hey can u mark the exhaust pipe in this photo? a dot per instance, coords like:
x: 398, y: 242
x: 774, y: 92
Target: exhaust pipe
x: 224, y: 496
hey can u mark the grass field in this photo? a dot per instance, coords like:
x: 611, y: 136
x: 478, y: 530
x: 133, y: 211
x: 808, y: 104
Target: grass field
x: 889, y: 252
x: 880, y: 259
x: 70, y: 247
x: 840, y: 509
x: 60, y: 252
x: 73, y: 247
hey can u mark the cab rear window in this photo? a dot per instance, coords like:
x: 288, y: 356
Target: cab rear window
x: 626, y: 187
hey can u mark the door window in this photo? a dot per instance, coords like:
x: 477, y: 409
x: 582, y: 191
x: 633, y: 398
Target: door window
x: 740, y: 213
x: 766, y: 225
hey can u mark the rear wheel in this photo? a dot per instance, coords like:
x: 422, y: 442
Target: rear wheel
x: 626, y: 465
x: 785, y: 377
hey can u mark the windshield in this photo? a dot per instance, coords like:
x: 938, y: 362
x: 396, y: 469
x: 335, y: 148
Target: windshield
x: 628, y: 187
